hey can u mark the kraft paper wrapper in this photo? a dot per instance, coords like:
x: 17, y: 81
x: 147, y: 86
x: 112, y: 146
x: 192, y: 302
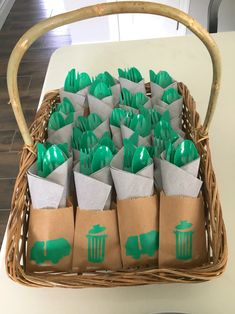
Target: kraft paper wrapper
x: 147, y: 105
x: 60, y: 136
x: 132, y: 86
x: 50, y: 224
x: 103, y: 107
x: 102, y: 128
x: 79, y: 99
x: 129, y: 185
x: 52, y: 191
x: 94, y: 191
x: 157, y: 174
x: 157, y: 91
x: 116, y: 136
x: 180, y: 181
x: 85, y: 220
x: 175, y: 108
x: 173, y: 210
x: 116, y: 90
x: 127, y: 132
x: 137, y: 216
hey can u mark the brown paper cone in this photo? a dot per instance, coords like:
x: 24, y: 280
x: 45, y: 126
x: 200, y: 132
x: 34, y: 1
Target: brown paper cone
x: 50, y: 239
x: 100, y: 250
x: 138, y: 229
x: 181, y: 248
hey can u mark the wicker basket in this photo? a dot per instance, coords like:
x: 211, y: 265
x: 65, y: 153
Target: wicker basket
x: 18, y: 224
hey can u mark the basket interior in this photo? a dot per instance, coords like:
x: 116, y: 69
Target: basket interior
x: 18, y: 224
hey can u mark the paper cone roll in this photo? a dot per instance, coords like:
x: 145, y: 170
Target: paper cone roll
x: 103, y: 107
x: 93, y: 192
x: 116, y: 136
x: 176, y: 181
x: 132, y: 86
x: 60, y: 136
x: 157, y: 91
x: 52, y: 191
x: 128, y: 184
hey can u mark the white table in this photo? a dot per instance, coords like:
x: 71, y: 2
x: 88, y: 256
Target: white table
x: 187, y: 60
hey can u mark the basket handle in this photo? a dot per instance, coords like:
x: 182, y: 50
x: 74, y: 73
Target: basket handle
x: 101, y: 10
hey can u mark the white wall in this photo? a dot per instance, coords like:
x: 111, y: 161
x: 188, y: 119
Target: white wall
x: 226, y: 18
x: 5, y: 7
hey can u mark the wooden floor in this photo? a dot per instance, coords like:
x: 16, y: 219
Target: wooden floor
x: 23, y: 15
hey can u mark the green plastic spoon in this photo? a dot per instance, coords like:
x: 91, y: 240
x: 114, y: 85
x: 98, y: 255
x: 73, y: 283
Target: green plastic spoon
x: 53, y: 158
x: 105, y: 140
x: 129, y: 150
x: 138, y: 123
x: 93, y: 120
x: 100, y: 90
x: 88, y: 140
x: 141, y: 159
x: 126, y: 97
x: 139, y: 100
x: 117, y: 117
x: 164, y: 131
x: 66, y: 106
x: 56, y: 121
x: 162, y: 78
x: 76, y: 138
x: 170, y: 95
x: 41, y: 150
x: 185, y: 153
x: 101, y: 158
x: 83, y: 80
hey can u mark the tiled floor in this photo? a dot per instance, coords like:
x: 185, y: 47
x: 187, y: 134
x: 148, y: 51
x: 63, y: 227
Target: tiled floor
x: 23, y: 15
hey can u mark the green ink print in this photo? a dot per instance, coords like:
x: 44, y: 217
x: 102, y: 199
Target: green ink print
x: 37, y: 252
x: 149, y: 242
x: 55, y: 250
x: 96, y: 244
x: 132, y: 247
x: 184, y: 240
x: 144, y: 244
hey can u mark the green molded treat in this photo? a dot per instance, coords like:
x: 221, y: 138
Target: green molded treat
x: 185, y: 153
x: 170, y: 95
x: 131, y: 74
x: 162, y: 78
x: 117, y: 117
x: 65, y: 106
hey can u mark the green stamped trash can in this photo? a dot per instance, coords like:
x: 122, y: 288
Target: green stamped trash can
x: 184, y: 240
x: 96, y: 244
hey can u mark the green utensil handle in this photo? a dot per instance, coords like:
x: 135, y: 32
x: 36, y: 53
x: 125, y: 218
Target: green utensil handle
x: 101, y: 10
